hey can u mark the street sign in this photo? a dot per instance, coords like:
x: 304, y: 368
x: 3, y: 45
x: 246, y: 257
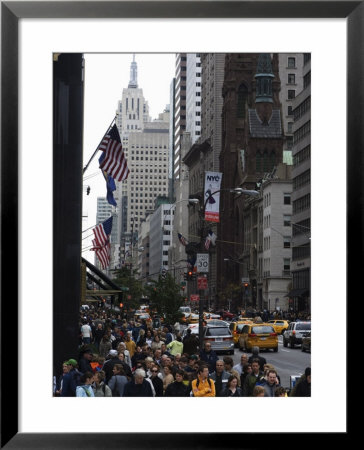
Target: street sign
x: 194, y: 297
x: 244, y: 280
x: 202, y: 262
x: 202, y: 283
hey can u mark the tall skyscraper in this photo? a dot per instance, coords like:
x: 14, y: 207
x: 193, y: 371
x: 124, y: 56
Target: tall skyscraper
x: 193, y: 95
x: 133, y: 109
x: 301, y: 194
x: 146, y: 146
x: 290, y: 74
x: 179, y: 111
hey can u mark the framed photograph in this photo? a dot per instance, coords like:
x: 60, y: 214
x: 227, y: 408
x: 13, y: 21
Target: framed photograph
x: 31, y: 34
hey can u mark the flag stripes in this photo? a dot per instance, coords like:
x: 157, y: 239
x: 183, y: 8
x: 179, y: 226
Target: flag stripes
x: 114, y: 163
x: 102, y: 253
x: 182, y: 239
x: 102, y: 232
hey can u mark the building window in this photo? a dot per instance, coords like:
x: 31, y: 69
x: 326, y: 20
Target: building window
x: 289, y: 111
x: 286, y: 242
x: 286, y: 221
x: 286, y: 199
x: 291, y: 94
x: 291, y: 63
x: 291, y: 78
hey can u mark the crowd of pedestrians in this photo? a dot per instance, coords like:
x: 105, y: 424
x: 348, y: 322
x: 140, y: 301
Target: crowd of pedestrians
x: 131, y: 358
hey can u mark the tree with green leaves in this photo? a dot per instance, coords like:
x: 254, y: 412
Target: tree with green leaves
x: 164, y: 295
x: 125, y: 277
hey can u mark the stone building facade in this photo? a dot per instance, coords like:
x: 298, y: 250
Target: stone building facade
x: 252, y: 146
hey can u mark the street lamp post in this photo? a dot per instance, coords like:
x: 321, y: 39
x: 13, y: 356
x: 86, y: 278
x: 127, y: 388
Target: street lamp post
x: 238, y: 191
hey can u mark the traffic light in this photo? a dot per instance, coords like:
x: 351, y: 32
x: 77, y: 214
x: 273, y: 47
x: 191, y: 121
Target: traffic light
x: 246, y: 285
x: 190, y: 275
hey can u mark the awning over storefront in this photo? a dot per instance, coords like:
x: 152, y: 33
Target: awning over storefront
x: 106, y: 286
x: 298, y: 293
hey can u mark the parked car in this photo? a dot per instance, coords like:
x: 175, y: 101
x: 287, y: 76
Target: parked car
x: 279, y: 325
x: 236, y: 329
x: 295, y: 333
x: 306, y: 343
x: 260, y: 335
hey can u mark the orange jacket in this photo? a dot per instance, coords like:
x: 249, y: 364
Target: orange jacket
x: 203, y: 388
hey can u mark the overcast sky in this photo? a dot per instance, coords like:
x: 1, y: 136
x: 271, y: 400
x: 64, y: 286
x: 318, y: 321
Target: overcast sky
x: 106, y: 75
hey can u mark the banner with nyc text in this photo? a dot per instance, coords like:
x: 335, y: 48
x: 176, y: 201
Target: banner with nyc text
x: 212, y: 196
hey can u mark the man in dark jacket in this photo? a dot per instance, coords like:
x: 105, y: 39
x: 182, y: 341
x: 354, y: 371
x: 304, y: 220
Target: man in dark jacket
x: 303, y: 388
x: 156, y: 381
x: 255, y: 355
x: 190, y: 343
x: 98, y: 333
x: 271, y: 384
x: 85, y: 360
x: 110, y: 363
x: 209, y: 357
x: 139, y: 386
x: 252, y: 379
x: 220, y: 377
x: 168, y: 335
x: 71, y: 379
x: 178, y: 388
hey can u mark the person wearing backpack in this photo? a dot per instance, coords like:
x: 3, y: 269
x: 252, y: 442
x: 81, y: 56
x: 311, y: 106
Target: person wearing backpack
x: 100, y: 388
x: 118, y: 381
x: 85, y: 389
x: 203, y: 386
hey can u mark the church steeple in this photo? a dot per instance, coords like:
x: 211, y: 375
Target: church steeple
x: 133, y: 83
x: 264, y: 77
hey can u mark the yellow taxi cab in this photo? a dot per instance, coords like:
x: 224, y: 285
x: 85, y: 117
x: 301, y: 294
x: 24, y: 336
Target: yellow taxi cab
x: 279, y: 325
x: 260, y: 335
x: 236, y: 329
x: 246, y: 319
x: 193, y: 318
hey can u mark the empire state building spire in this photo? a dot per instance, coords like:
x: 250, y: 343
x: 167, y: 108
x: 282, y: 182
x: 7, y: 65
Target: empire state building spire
x: 133, y: 83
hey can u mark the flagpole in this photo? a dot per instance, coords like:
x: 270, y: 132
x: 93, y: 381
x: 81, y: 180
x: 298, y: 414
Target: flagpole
x: 97, y: 148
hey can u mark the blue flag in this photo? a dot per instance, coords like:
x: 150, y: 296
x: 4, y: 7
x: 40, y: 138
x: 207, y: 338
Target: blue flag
x: 110, y: 184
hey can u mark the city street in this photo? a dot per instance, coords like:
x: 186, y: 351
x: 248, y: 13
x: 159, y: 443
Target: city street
x: 287, y: 361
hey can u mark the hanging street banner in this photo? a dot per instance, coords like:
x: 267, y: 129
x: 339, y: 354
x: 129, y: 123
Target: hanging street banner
x: 211, y: 197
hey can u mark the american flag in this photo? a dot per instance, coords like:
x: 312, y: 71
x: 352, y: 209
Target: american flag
x: 114, y: 163
x: 102, y: 253
x: 102, y: 232
x: 210, y: 238
x: 207, y: 242
x: 101, y: 243
x: 182, y: 239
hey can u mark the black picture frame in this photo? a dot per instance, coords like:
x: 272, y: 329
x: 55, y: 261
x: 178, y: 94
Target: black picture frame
x: 11, y: 12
